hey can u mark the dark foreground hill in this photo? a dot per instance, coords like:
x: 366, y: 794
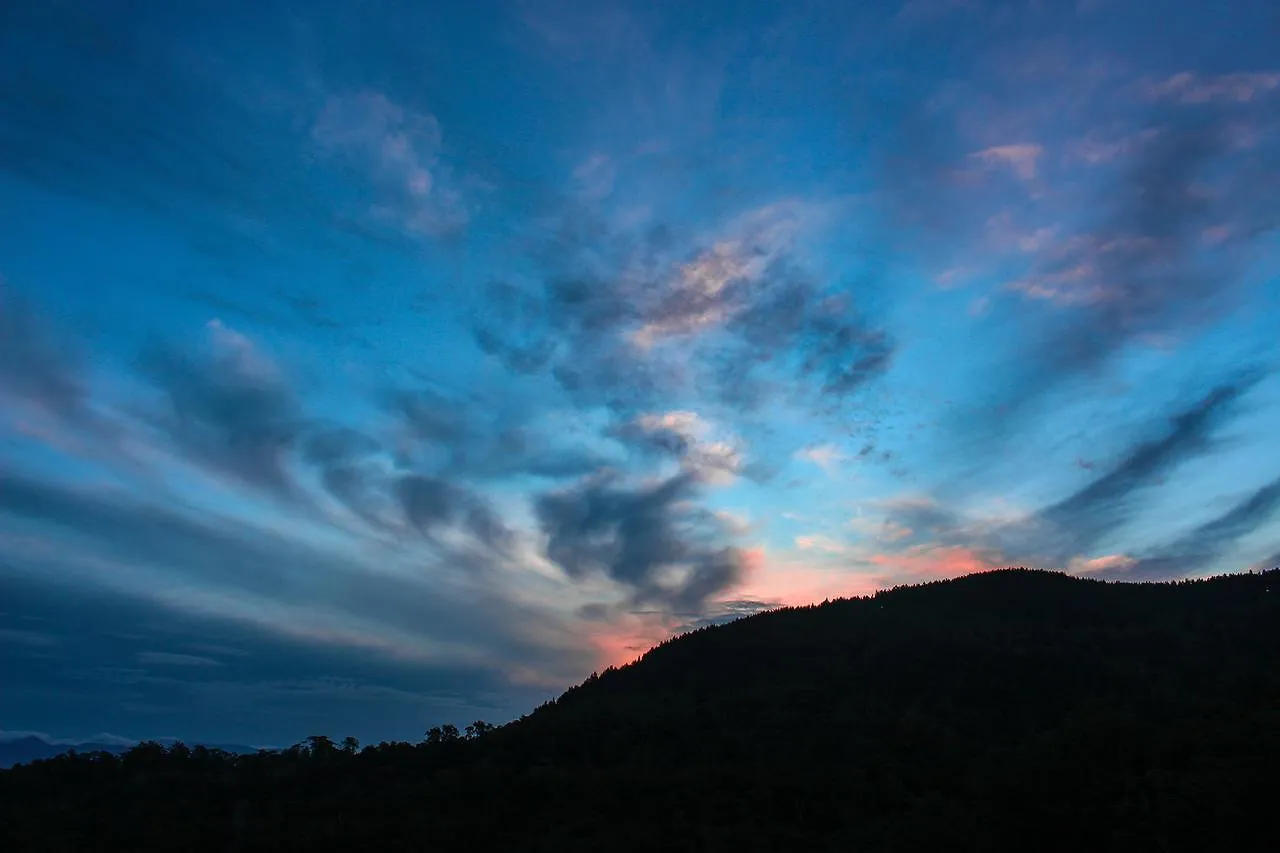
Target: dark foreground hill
x: 1011, y: 710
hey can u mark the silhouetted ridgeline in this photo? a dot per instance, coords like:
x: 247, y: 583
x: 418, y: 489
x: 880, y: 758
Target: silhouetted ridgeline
x: 1011, y: 710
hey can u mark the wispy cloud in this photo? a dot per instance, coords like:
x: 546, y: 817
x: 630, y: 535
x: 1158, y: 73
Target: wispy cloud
x: 1189, y: 87
x: 175, y: 659
x: 397, y: 150
x: 826, y: 456
x: 1019, y: 158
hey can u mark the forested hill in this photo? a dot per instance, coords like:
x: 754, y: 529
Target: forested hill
x: 1009, y: 710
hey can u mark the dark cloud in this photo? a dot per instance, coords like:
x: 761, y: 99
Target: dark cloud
x: 358, y: 488
x: 430, y: 417
x: 429, y: 503
x: 204, y: 548
x: 1077, y: 524
x: 265, y: 689
x: 660, y: 439
x: 793, y: 328
x: 1197, y: 550
x: 1105, y: 505
x: 632, y: 321
x: 512, y: 328
x: 649, y: 538
x: 846, y: 354
x: 478, y: 438
x: 345, y: 460
x: 337, y: 444
x: 33, y: 365
x: 229, y: 412
x: 201, y: 553
x: 595, y: 612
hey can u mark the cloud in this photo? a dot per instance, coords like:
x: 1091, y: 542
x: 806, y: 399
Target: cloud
x: 1116, y: 249
x: 346, y: 461
x: 825, y: 544
x: 430, y: 503
x: 826, y: 456
x: 216, y: 567
x: 175, y: 659
x: 293, y: 684
x: 931, y: 562
x: 141, y: 124
x: 1094, y: 150
x: 633, y: 319
x: 229, y: 409
x: 649, y: 538
x: 711, y: 454
x: 720, y: 282
x: 595, y: 176
x: 1021, y: 159
x: 1062, y: 533
x: 397, y: 151
x: 1199, y: 549
x: 1104, y: 505
x: 1188, y: 87
x: 1139, y: 268
x: 1105, y: 564
x: 33, y: 367
x: 480, y: 437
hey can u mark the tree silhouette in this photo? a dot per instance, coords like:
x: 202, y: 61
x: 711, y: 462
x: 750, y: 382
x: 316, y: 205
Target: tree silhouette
x: 478, y: 729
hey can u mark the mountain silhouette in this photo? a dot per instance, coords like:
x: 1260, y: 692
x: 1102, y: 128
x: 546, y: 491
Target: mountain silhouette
x: 28, y: 748
x: 1008, y: 710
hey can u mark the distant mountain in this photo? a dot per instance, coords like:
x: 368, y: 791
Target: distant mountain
x: 1011, y: 710
x: 32, y: 748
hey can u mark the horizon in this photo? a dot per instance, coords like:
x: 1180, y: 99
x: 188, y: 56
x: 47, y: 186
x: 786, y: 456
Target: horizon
x: 367, y: 369
x: 121, y: 741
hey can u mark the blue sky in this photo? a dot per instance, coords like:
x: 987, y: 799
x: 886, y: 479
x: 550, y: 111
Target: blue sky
x: 369, y: 367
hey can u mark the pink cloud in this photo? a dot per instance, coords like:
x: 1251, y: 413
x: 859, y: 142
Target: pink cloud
x: 933, y: 562
x: 826, y: 456
x: 1076, y: 285
x: 1021, y: 158
x: 1106, y: 562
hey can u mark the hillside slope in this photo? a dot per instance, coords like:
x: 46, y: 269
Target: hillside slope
x: 1007, y: 710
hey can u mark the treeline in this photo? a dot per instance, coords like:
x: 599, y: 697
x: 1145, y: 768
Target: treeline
x: 1005, y: 711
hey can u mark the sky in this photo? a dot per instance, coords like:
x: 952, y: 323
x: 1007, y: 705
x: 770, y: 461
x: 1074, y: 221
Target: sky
x: 365, y: 367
